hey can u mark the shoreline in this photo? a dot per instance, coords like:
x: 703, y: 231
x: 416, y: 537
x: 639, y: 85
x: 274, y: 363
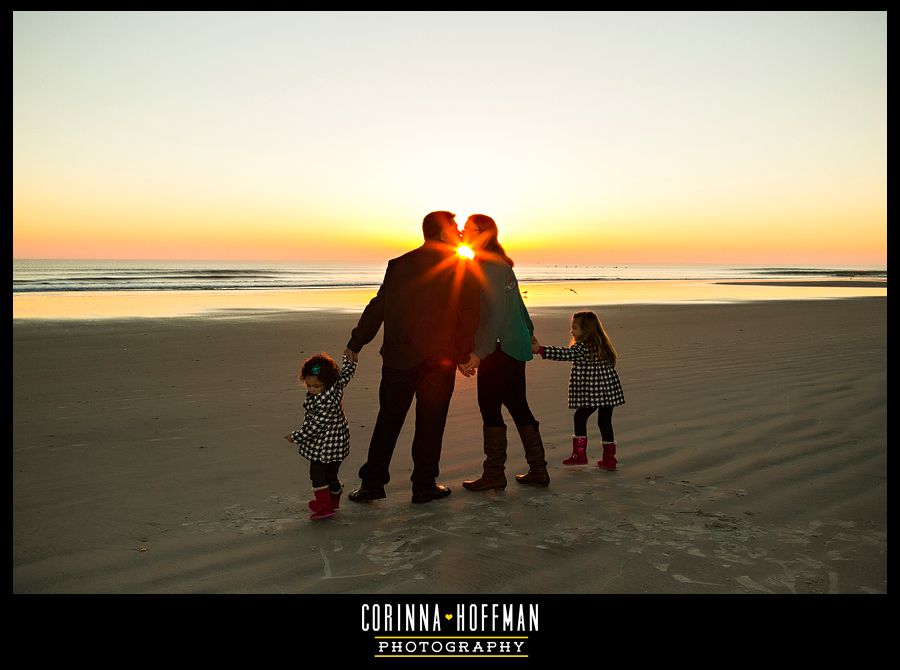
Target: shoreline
x: 831, y: 283
x: 538, y: 295
x: 275, y: 314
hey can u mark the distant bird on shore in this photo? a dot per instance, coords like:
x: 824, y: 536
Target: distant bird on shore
x: 573, y: 290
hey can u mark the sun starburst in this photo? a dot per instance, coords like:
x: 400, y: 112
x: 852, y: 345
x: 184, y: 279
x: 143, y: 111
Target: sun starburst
x: 465, y: 251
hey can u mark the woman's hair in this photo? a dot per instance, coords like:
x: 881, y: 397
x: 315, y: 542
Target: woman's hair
x: 595, y: 338
x: 488, y: 228
x: 321, y: 366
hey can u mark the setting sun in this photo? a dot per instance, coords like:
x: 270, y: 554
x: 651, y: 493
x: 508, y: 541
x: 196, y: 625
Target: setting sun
x: 465, y: 252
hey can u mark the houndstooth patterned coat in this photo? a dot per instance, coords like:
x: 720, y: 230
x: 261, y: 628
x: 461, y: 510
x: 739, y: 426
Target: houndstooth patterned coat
x: 325, y: 433
x: 593, y: 382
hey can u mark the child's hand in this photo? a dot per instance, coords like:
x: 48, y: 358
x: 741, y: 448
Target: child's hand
x: 535, y: 345
x: 288, y: 438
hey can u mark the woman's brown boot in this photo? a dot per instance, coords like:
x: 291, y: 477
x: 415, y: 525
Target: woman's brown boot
x: 534, y: 454
x: 494, y: 461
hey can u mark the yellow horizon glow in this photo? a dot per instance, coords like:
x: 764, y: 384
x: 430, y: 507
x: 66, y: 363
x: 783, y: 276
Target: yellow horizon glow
x: 84, y: 221
x: 217, y: 237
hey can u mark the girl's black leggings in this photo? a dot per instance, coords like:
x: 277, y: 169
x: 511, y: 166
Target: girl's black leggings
x: 604, y: 421
x: 323, y: 474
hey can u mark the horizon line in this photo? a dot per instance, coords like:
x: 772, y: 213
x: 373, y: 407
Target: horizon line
x: 836, y: 265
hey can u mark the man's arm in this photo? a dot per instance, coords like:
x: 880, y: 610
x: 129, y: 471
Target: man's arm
x: 369, y: 323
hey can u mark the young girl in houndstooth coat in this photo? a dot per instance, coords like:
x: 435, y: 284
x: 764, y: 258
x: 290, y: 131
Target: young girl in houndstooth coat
x: 324, y: 437
x: 593, y: 385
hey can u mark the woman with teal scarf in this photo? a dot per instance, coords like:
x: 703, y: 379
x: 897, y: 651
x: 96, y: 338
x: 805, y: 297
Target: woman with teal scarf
x: 503, y: 345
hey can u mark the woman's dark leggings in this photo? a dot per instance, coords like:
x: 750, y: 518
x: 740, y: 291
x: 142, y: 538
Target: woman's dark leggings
x: 501, y: 381
x: 604, y: 421
x: 325, y: 474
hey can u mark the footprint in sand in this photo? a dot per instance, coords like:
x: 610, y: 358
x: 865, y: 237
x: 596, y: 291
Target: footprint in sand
x: 804, y: 573
x: 561, y: 538
x: 542, y: 502
x: 399, y: 549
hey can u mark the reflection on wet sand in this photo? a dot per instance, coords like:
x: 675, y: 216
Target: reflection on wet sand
x: 154, y: 304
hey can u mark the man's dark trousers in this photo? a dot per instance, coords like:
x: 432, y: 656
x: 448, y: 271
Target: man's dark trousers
x: 431, y: 383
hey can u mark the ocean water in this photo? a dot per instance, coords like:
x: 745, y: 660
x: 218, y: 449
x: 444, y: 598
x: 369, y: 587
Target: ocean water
x: 54, y: 276
x: 130, y: 289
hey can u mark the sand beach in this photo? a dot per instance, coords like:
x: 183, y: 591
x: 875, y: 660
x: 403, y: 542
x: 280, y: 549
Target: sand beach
x: 148, y: 458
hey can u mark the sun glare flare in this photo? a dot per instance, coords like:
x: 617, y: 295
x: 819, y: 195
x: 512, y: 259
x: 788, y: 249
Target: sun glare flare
x: 465, y: 251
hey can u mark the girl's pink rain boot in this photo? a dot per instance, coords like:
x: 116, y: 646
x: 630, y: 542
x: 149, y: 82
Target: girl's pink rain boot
x: 608, y: 462
x: 579, y: 451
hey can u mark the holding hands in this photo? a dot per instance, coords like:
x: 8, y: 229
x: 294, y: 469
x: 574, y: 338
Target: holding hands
x: 535, y: 345
x: 468, y: 368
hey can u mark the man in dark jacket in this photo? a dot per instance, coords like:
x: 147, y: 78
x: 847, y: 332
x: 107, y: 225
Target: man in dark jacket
x: 429, y: 305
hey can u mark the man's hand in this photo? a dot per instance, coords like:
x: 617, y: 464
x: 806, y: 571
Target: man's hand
x: 352, y: 355
x: 287, y: 437
x: 535, y: 345
x: 468, y: 368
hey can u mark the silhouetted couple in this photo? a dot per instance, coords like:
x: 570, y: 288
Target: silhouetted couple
x: 443, y: 313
